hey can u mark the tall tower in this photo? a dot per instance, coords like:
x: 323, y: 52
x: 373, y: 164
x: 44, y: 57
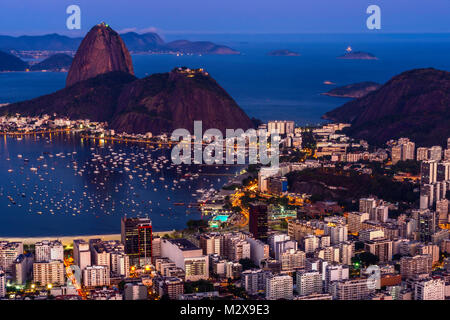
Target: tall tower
x: 258, y: 221
x: 136, y: 236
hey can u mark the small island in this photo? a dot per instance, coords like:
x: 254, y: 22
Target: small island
x: 357, y: 55
x: 354, y: 90
x: 283, y: 53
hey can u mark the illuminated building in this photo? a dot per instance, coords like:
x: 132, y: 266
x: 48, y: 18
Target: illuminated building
x: 279, y: 287
x: 136, y: 235
x: 258, y: 221
x: 309, y: 283
x: 49, y: 273
x: 186, y: 256
x: 81, y: 254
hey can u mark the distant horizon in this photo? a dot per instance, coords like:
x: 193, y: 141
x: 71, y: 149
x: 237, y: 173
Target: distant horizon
x: 227, y: 17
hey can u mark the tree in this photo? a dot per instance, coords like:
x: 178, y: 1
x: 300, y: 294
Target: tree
x: 365, y: 259
x: 247, y: 264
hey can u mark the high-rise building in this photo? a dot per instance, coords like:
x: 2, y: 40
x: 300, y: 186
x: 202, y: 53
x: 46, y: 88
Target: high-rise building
x: 422, y: 154
x: 357, y: 289
x: 335, y: 272
x: 23, y: 267
x: 404, y: 150
x: 292, y: 260
x: 447, y: 154
x: 427, y: 195
x: 136, y: 235
x: 428, y: 172
x: 264, y: 174
x: 338, y: 232
x: 81, y: 254
x: 49, y: 250
x: 380, y: 247
x: 412, y: 266
x: 443, y: 171
x: 9, y: 251
x: 442, y: 210
x: 135, y: 291
x: 311, y: 243
x: 346, y: 252
x: 283, y: 127
x: 367, y: 205
x: 355, y: 220
x: 429, y: 289
x: 254, y: 281
x: 259, y: 250
x: 309, y: 283
x: 96, y: 276
x: 171, y: 287
x: 427, y: 225
x: 258, y: 221
x: 51, y: 272
x: 279, y: 287
x: 186, y: 256
x: 2, y: 284
x: 436, y: 153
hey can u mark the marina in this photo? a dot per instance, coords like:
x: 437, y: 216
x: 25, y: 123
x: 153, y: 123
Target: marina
x: 64, y: 183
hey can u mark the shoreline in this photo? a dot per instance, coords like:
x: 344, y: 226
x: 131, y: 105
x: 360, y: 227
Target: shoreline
x: 68, y: 240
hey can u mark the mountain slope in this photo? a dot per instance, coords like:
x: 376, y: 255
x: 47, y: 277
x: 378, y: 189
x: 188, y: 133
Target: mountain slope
x: 94, y: 99
x: 56, y: 62
x: 8, y: 62
x: 414, y: 104
x: 167, y: 101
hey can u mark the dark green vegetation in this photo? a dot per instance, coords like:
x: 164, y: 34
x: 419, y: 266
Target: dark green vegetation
x: 408, y: 166
x: 414, y: 104
x: 247, y: 264
x: 198, y: 286
x: 339, y: 185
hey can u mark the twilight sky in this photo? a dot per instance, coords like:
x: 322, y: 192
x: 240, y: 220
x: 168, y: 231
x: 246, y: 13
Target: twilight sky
x: 227, y: 16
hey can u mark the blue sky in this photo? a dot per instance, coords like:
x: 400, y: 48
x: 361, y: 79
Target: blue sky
x: 226, y: 16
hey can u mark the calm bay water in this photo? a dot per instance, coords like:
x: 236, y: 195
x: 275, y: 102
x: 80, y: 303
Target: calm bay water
x: 265, y: 87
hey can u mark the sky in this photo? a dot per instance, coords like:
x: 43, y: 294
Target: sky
x: 19, y: 17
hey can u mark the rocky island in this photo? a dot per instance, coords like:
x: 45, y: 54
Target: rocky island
x: 357, y: 55
x: 354, y: 90
x: 283, y: 53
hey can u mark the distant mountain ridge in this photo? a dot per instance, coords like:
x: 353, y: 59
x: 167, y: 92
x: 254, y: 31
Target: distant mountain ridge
x: 414, y: 104
x: 136, y: 43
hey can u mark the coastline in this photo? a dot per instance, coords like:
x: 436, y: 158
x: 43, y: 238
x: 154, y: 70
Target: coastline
x: 68, y: 240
